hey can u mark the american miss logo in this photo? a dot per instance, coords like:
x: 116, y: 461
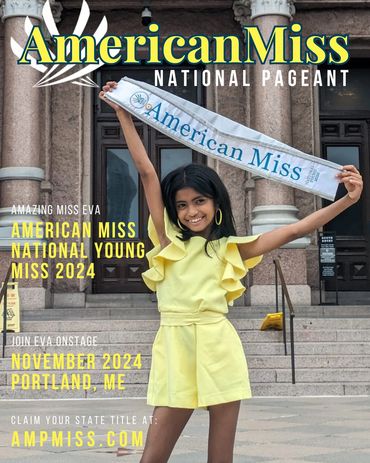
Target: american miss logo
x: 285, y: 45
x: 269, y: 162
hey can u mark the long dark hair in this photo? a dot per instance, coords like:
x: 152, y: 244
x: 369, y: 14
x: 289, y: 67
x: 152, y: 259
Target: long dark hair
x: 205, y: 181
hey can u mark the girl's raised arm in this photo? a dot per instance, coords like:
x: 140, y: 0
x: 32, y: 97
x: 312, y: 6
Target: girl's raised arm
x: 275, y: 238
x: 148, y: 175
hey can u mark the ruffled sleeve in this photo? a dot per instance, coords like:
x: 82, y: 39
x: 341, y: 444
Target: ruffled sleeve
x: 235, y: 267
x: 157, y: 256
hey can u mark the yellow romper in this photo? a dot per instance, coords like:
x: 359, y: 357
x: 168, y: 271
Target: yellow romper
x: 197, y: 356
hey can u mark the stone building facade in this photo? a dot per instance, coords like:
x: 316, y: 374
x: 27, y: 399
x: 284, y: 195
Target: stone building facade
x: 58, y: 142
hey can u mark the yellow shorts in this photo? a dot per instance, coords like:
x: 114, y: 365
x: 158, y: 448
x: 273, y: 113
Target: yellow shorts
x: 198, y: 365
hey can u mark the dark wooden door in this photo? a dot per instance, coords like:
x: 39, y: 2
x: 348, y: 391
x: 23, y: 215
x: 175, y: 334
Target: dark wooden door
x: 118, y: 191
x: 347, y: 142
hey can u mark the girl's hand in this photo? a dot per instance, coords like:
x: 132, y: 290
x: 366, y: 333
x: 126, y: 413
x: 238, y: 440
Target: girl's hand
x: 276, y: 238
x: 108, y: 87
x: 352, y: 180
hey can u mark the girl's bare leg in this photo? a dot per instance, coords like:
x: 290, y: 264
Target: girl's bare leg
x: 163, y: 433
x: 223, y: 419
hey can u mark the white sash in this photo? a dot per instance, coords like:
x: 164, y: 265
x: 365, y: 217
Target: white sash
x: 223, y: 139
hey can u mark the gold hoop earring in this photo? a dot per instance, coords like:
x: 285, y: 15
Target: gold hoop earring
x: 180, y: 226
x: 218, y: 220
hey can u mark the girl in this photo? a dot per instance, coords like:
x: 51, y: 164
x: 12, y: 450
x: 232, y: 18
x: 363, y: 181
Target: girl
x: 195, y: 267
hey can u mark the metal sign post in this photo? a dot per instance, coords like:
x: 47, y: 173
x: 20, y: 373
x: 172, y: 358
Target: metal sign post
x: 328, y: 260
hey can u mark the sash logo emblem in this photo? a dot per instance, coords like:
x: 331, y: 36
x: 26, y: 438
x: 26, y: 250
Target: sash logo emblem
x: 139, y: 99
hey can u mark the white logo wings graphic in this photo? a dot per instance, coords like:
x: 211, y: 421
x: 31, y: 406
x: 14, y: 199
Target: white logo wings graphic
x: 51, y: 75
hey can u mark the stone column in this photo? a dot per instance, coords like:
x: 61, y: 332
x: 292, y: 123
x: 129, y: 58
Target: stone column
x: 273, y: 202
x: 20, y: 169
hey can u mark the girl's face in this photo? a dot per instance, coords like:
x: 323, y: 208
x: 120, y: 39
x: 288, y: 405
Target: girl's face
x: 195, y: 211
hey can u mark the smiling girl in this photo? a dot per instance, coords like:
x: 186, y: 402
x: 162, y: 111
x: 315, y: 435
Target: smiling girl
x: 195, y: 267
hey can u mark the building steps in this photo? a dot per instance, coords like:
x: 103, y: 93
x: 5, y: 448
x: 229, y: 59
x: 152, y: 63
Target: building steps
x: 332, y: 354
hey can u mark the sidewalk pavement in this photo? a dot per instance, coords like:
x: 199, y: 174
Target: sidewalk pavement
x: 276, y: 430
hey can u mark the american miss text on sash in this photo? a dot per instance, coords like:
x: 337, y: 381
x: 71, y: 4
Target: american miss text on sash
x: 223, y: 139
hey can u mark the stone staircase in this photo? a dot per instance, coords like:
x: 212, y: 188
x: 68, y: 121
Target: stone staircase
x: 332, y: 347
